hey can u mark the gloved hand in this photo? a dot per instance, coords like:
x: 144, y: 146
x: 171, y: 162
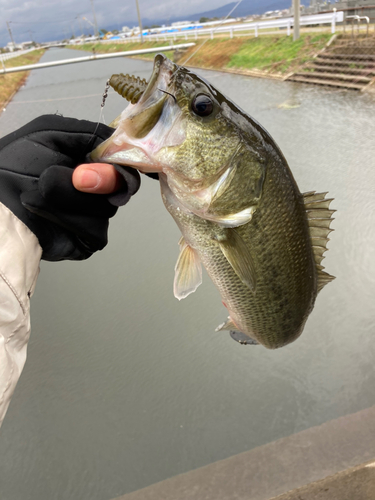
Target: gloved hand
x: 36, y: 168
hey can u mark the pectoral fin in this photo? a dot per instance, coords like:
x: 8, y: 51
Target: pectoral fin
x: 188, y: 271
x: 238, y: 255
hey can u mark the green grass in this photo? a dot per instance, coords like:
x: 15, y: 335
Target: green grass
x: 277, y: 53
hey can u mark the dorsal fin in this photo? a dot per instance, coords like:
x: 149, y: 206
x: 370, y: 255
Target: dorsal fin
x: 319, y: 219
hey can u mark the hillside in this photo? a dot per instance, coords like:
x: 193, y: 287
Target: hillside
x: 246, y: 8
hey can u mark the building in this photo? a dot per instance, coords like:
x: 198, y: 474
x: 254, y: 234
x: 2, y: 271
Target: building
x: 27, y: 45
x: 181, y: 23
x: 10, y: 47
x: 349, y: 7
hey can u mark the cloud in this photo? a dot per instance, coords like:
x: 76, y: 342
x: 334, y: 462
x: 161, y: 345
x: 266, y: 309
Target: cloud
x: 55, y: 20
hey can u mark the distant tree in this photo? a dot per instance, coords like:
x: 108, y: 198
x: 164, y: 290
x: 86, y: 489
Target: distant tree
x: 203, y: 19
x: 155, y: 26
x: 146, y: 28
x: 103, y: 31
x: 115, y: 32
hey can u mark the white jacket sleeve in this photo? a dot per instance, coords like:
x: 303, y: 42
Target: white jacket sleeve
x: 20, y: 255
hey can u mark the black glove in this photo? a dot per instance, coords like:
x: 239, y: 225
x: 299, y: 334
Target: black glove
x: 36, y: 168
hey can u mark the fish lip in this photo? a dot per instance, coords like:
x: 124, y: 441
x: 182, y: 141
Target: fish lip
x: 162, y: 67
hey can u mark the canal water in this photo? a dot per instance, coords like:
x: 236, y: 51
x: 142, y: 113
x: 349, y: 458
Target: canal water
x: 125, y: 386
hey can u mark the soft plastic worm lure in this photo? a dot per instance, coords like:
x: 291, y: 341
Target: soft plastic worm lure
x: 129, y: 87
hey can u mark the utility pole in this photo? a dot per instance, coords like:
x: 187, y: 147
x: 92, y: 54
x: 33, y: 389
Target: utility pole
x: 139, y: 21
x: 96, y: 24
x: 93, y: 25
x: 80, y: 24
x: 11, y: 36
x: 296, y: 12
x: 31, y: 35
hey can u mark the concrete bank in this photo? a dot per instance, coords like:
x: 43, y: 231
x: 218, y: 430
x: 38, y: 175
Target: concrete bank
x: 357, y: 483
x: 282, y: 466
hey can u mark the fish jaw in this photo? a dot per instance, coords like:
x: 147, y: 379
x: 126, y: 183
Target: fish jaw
x: 152, y: 124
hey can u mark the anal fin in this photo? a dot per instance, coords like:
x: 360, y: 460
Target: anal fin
x: 243, y: 339
x: 239, y: 337
x: 227, y: 325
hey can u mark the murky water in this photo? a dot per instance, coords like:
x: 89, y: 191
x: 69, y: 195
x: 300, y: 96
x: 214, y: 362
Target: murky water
x: 124, y: 385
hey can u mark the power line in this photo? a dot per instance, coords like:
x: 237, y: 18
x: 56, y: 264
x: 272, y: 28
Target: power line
x: 139, y: 21
x: 42, y: 22
x: 96, y: 24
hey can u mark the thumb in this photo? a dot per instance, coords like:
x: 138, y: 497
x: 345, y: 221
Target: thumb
x: 99, y: 178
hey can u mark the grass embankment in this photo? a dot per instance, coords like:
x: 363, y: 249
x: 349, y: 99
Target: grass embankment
x: 10, y: 83
x: 269, y: 54
x: 107, y: 48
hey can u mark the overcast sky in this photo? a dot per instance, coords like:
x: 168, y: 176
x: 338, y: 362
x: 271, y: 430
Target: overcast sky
x: 43, y: 20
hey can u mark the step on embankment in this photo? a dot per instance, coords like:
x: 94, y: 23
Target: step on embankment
x: 340, y: 70
x: 319, y: 66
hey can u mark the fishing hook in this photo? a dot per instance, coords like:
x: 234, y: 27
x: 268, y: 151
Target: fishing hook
x: 165, y: 92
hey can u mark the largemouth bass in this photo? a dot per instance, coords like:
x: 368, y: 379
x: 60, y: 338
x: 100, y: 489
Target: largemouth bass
x: 230, y: 190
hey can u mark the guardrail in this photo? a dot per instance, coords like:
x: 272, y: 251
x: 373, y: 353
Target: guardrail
x: 95, y: 57
x: 284, y: 23
x: 358, y: 19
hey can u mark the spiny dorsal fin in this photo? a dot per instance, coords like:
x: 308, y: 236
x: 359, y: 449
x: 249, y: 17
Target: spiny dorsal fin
x: 319, y: 219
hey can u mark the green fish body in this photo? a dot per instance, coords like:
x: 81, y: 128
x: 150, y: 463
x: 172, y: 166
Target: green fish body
x: 230, y: 190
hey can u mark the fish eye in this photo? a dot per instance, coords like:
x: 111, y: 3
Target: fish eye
x: 202, y: 105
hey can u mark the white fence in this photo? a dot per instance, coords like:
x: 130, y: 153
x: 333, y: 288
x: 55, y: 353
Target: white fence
x: 284, y: 23
x: 17, y: 53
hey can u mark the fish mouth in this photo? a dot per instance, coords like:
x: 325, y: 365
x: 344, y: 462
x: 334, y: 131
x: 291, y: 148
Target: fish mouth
x: 127, y: 144
x: 160, y: 77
